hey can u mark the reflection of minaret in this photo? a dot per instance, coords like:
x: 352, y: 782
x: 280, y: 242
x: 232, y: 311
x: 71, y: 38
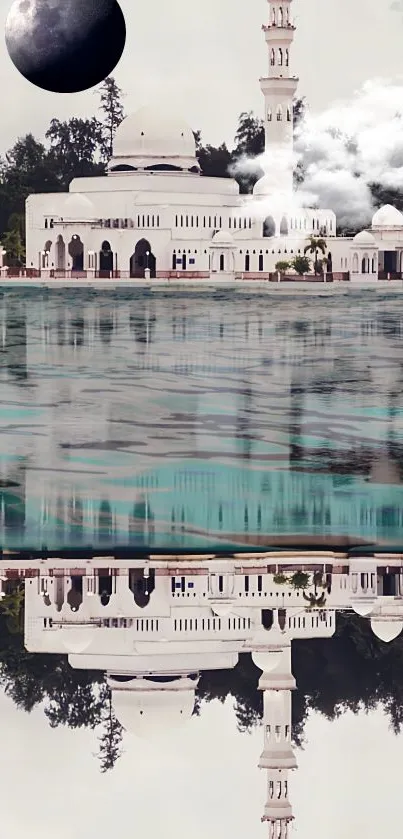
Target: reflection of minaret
x: 15, y: 340
x: 243, y: 419
x: 142, y: 323
x: 272, y: 654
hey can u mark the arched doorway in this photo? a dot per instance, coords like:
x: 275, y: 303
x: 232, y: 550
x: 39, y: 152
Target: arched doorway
x: 141, y: 259
x: 269, y: 227
x: 106, y: 257
x: 76, y: 251
x: 284, y: 227
x: 60, y: 254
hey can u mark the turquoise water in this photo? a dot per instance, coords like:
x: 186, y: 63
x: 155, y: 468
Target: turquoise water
x: 173, y: 420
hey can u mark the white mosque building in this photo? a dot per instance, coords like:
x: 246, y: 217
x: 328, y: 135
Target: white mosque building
x: 154, y: 215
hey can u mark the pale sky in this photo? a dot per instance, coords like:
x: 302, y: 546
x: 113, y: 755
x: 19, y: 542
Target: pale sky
x: 207, y: 58
x: 204, y: 783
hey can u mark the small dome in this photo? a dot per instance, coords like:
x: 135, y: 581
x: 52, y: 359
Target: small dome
x: 386, y: 629
x: 364, y: 237
x: 78, y: 207
x: 153, y: 713
x: 364, y: 607
x: 152, y: 133
x: 76, y: 639
x: 222, y: 237
x: 387, y: 216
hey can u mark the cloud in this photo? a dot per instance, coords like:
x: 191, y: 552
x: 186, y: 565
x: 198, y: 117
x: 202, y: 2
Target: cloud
x: 345, y: 149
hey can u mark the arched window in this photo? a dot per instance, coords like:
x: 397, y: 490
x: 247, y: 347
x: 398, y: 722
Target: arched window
x: 222, y: 262
x: 274, y: 17
x: 287, y: 58
x: 280, y: 16
x: 355, y: 263
x: 269, y: 227
x: 280, y: 57
x: 260, y: 262
x: 272, y: 58
x: 288, y: 114
x: 279, y: 113
x: 284, y: 227
x: 269, y: 115
x: 365, y: 264
x: 373, y: 264
x: 247, y: 262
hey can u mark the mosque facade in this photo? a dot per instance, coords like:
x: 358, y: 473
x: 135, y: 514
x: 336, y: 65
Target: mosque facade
x: 154, y: 215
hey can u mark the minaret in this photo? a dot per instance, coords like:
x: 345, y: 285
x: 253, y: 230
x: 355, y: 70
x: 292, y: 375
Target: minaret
x: 277, y: 757
x: 279, y: 86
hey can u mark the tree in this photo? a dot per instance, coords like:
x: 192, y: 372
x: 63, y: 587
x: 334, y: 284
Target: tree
x: 14, y: 246
x: 76, y: 148
x: 314, y: 246
x: 214, y: 162
x: 282, y: 265
x: 249, y: 137
x: 301, y: 264
x: 113, y: 113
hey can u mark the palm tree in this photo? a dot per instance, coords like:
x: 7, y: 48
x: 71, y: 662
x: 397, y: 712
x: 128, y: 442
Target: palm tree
x: 314, y: 246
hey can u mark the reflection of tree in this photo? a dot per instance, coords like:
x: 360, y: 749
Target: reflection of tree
x: 111, y: 737
x: 351, y: 671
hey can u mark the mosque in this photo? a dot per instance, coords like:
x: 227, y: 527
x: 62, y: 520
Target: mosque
x: 154, y: 215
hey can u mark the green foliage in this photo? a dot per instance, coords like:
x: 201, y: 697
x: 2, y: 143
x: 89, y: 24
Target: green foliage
x: 300, y: 580
x: 280, y: 579
x: 282, y: 265
x: 301, y: 264
x: 314, y: 246
x: 113, y: 114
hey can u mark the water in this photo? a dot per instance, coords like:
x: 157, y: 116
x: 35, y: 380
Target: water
x: 200, y: 420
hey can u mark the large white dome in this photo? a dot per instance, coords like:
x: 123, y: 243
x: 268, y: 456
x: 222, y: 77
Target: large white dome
x: 153, y: 137
x: 387, y: 216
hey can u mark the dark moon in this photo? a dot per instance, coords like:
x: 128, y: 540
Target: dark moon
x: 65, y: 46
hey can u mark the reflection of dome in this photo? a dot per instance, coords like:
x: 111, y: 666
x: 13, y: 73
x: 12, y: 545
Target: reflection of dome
x: 222, y: 609
x: 387, y: 216
x: 363, y: 607
x: 365, y: 238
x: 386, y: 629
x: 76, y: 639
x: 78, y: 207
x: 152, y: 136
x: 268, y: 660
x: 222, y: 237
x: 267, y: 647
x: 152, y: 709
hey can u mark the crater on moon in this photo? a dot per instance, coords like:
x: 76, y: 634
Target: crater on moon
x: 65, y: 45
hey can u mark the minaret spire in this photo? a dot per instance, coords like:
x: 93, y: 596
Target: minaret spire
x: 279, y: 86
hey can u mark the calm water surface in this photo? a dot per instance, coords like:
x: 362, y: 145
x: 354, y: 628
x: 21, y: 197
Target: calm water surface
x: 196, y: 420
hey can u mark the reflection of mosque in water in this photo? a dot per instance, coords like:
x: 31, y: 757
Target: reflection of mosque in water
x: 155, y: 627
